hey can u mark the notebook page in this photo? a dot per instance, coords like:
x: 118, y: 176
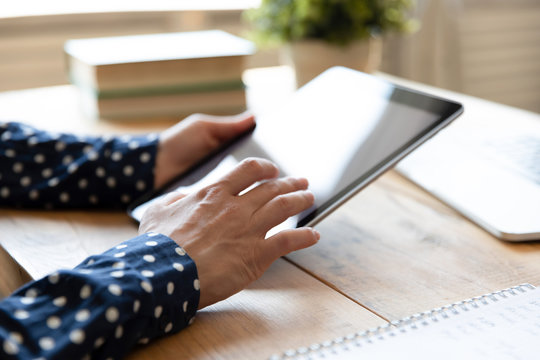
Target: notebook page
x: 504, y: 325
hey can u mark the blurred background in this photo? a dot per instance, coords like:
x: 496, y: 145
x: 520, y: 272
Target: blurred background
x: 486, y: 48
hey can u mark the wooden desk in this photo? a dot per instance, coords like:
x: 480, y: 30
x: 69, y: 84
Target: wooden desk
x: 390, y: 251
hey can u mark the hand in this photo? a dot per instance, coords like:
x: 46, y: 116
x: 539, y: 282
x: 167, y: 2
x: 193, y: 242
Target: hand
x: 190, y: 140
x: 224, y: 232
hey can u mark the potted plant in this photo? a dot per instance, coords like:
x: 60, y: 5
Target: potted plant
x: 322, y: 33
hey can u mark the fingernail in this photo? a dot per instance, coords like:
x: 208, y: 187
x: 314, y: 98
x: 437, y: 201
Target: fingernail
x: 303, y: 181
x: 317, y: 234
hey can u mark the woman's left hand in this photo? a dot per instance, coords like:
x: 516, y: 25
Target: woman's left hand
x: 190, y: 140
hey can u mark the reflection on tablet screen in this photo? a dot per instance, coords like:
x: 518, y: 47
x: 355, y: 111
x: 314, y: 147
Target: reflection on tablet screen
x: 340, y: 131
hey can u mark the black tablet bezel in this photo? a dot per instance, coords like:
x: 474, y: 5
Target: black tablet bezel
x: 446, y: 110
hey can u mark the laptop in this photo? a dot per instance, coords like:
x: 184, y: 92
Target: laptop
x: 486, y: 166
x: 340, y: 131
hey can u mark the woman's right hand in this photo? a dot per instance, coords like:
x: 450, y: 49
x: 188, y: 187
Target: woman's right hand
x: 223, y: 228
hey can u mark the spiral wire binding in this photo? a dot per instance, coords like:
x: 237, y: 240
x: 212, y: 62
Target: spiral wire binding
x: 393, y: 328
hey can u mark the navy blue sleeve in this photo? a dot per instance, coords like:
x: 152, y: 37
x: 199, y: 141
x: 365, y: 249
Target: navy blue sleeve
x: 40, y: 169
x: 144, y: 288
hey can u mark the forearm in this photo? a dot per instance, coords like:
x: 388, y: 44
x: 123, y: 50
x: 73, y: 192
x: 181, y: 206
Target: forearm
x: 39, y: 169
x: 143, y: 288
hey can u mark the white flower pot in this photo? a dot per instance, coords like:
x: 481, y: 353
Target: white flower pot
x: 309, y: 58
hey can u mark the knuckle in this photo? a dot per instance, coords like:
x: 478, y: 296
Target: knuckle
x: 231, y: 211
x: 210, y: 192
x: 201, y: 193
x: 252, y: 165
x: 285, y: 240
x: 294, y: 184
x: 209, y: 141
x: 273, y: 188
x: 284, y: 204
x: 308, y: 197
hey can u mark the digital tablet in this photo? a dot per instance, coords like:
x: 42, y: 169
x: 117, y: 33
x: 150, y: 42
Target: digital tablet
x: 340, y: 131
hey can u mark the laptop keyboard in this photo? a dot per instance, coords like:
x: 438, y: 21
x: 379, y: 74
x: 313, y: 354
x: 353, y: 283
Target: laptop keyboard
x: 520, y: 153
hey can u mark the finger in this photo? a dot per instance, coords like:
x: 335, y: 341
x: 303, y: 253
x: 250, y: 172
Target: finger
x: 282, y: 207
x: 227, y: 127
x: 248, y: 172
x: 285, y: 242
x: 268, y: 190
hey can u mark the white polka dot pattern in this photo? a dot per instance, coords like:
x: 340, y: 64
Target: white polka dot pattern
x: 119, y: 265
x: 60, y: 301
x: 86, y: 291
x: 115, y: 289
x: 146, y: 286
x: 54, y: 277
x: 99, y: 342
x: 117, y: 274
x: 21, y: 314
x: 112, y: 314
x: 27, y: 300
x: 170, y: 288
x: 119, y: 332
x: 68, y: 171
x: 46, y: 343
x: 16, y: 337
x: 158, y: 311
x: 105, y: 293
x: 10, y: 347
x: 136, y: 306
x: 54, y: 322
x: 147, y: 273
x: 77, y: 336
x: 82, y: 315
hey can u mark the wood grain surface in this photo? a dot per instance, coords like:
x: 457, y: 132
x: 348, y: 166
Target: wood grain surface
x: 397, y: 250
x: 44, y: 241
x: 12, y: 275
x: 390, y: 251
x: 284, y: 309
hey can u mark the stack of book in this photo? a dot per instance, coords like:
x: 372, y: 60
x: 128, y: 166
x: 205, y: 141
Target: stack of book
x: 159, y: 75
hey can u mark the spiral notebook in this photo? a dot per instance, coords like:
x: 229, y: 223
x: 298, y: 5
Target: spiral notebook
x: 500, y: 325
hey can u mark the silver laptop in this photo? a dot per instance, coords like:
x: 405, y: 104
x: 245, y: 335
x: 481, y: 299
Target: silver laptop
x: 487, y: 166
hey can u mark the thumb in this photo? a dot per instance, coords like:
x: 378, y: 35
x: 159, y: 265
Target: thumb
x: 231, y: 126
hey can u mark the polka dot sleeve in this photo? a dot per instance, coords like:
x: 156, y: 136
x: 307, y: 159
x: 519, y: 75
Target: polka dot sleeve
x: 143, y: 288
x: 39, y: 169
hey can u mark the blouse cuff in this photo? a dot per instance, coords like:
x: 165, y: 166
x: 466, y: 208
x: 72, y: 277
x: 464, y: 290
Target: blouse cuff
x: 141, y: 289
x: 168, y: 294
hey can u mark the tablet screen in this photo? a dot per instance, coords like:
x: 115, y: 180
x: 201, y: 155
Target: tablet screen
x: 339, y: 131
